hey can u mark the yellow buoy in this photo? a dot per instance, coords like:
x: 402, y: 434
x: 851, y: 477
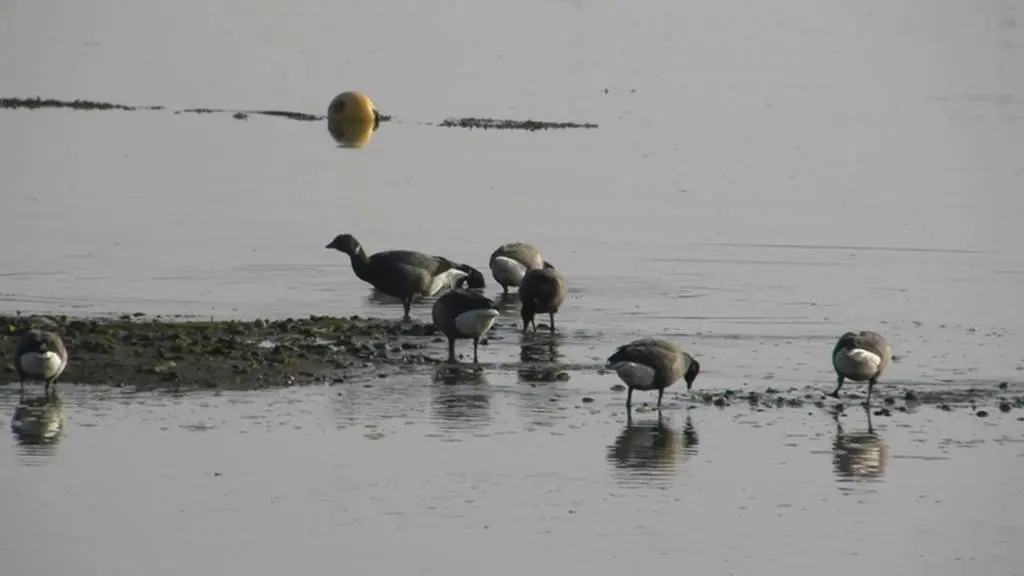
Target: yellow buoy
x: 352, y: 106
x: 351, y: 133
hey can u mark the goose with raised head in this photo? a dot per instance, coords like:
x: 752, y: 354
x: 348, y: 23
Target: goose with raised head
x: 406, y: 274
x: 860, y: 356
x: 40, y: 355
x: 510, y: 262
x: 652, y: 364
x: 463, y: 314
x: 541, y: 292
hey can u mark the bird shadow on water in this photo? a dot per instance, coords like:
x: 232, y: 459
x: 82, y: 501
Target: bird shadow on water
x: 858, y: 456
x: 39, y: 424
x: 461, y: 397
x: 650, y: 451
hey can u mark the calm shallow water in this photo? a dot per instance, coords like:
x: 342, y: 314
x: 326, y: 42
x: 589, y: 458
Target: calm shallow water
x: 421, y: 477
x: 763, y: 179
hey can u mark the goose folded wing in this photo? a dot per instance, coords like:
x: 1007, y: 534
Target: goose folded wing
x: 645, y: 354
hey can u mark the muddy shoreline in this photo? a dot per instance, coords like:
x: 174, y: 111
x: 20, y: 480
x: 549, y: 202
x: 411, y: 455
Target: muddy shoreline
x: 148, y: 352
x: 160, y: 352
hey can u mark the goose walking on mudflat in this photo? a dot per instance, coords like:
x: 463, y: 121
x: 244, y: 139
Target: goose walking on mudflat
x: 860, y: 356
x: 462, y: 314
x: 542, y: 291
x: 652, y: 364
x: 406, y: 274
x: 510, y: 262
x: 40, y: 355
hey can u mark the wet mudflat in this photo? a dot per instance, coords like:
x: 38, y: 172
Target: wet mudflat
x: 760, y: 179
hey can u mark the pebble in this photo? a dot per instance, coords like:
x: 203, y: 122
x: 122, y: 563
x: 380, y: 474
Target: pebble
x: 981, y: 413
x: 1004, y: 406
x: 588, y: 399
x: 618, y: 387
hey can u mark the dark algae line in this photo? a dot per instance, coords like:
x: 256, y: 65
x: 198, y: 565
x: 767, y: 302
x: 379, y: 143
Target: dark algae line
x: 37, y: 103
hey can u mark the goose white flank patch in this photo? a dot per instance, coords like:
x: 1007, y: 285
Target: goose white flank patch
x: 476, y: 321
x: 445, y: 281
x: 858, y: 364
x: 508, y: 271
x: 463, y: 314
x: 634, y: 375
x: 44, y: 365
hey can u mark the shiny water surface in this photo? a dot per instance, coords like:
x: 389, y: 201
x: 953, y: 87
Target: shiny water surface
x: 417, y: 476
x: 764, y: 177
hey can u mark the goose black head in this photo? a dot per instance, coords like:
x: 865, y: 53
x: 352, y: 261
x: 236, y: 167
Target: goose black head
x: 345, y: 243
x: 691, y: 373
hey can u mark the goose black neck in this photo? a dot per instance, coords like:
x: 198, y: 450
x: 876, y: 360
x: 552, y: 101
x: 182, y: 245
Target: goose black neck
x: 360, y: 263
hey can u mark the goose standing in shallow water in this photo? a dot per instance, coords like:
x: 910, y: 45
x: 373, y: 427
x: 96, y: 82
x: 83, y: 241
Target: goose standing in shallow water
x: 406, y: 274
x: 462, y: 314
x: 40, y: 355
x: 860, y: 356
x: 542, y: 291
x: 510, y: 262
x: 652, y: 364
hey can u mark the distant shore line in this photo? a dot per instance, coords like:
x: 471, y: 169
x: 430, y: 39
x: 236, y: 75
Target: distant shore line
x: 36, y: 103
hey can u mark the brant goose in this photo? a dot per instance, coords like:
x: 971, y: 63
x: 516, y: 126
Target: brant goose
x: 40, y: 355
x: 542, y: 291
x: 510, y: 263
x: 860, y: 356
x: 463, y: 314
x: 405, y: 274
x: 652, y: 364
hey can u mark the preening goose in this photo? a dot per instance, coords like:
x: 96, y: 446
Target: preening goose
x: 652, y: 364
x: 463, y: 314
x: 510, y: 262
x: 406, y: 274
x: 40, y: 355
x: 860, y: 356
x: 541, y: 292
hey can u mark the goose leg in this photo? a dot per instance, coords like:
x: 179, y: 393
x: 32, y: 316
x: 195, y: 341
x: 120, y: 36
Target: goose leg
x: 871, y: 384
x: 451, y: 350
x: 407, y: 305
x: 629, y: 399
x: 551, y: 316
x: 661, y: 392
x: 835, y: 393
x: 505, y: 288
x: 476, y: 342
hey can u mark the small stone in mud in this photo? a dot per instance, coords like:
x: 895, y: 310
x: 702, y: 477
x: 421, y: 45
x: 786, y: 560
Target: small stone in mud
x: 588, y: 399
x: 883, y: 412
x: 1004, y: 406
x: 721, y: 401
x: 1004, y: 385
x: 889, y: 401
x: 910, y: 396
x: 945, y: 407
x: 981, y: 413
x: 618, y: 387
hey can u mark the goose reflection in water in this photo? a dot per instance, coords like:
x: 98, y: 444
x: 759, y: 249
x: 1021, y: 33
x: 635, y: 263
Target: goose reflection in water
x: 39, y: 420
x: 859, y: 455
x: 462, y: 397
x: 543, y: 349
x: 652, y: 449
